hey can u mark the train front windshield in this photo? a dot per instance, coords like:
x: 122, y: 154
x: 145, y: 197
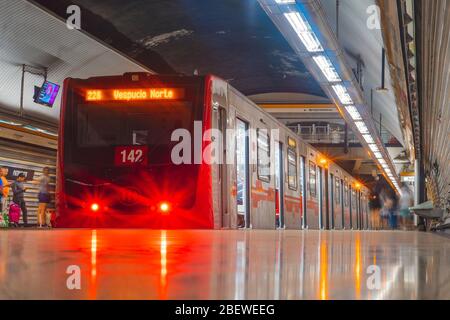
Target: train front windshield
x: 102, y: 129
x: 120, y: 152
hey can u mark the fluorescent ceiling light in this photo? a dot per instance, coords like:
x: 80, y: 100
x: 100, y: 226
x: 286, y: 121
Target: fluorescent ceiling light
x: 353, y: 113
x: 285, y: 1
x: 378, y: 155
x: 304, y: 31
x: 368, y: 138
x: 327, y: 68
x: 374, y: 148
x: 342, y: 94
x: 382, y: 161
x: 362, y: 128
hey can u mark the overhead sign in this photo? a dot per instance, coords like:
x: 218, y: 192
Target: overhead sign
x: 134, y: 94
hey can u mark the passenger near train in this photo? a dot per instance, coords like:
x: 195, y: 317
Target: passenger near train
x: 115, y: 165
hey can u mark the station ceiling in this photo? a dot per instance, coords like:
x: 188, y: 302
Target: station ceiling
x: 233, y: 39
x: 237, y: 41
x: 32, y: 37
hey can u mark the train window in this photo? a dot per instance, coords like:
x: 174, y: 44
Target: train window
x: 312, y: 179
x: 292, y: 169
x: 337, y: 189
x: 263, y: 155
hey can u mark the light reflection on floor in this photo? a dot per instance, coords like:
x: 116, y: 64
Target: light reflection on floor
x: 158, y: 264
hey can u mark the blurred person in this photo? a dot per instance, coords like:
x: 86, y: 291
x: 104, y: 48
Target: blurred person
x: 405, y: 203
x: 388, y: 214
x: 4, y: 190
x: 392, y: 218
x: 43, y: 197
x: 1, y: 194
x: 19, y: 190
x: 384, y: 211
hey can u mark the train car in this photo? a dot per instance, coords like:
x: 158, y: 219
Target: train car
x: 152, y: 151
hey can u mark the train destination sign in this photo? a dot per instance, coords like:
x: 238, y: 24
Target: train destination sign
x: 134, y: 94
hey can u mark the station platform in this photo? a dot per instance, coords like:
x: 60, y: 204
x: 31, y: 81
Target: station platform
x: 252, y: 264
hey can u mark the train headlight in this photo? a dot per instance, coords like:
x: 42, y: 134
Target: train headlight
x: 164, y: 207
x: 95, y: 207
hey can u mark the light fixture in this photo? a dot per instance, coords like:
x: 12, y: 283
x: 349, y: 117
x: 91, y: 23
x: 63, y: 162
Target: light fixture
x: 95, y: 207
x: 368, y: 138
x: 378, y: 155
x: 342, y: 94
x: 362, y: 128
x: 164, y: 207
x: 374, y: 148
x: 285, y: 1
x: 304, y: 31
x: 382, y: 161
x: 327, y: 68
x: 353, y: 112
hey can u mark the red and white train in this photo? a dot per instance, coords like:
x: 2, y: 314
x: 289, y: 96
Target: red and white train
x: 116, y: 168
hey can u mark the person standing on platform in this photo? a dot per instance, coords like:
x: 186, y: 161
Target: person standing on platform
x: 19, y: 190
x: 43, y: 196
x: 4, y: 190
x: 1, y: 194
x: 405, y: 203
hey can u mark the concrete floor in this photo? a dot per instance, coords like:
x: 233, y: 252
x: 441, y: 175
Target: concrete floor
x: 150, y: 264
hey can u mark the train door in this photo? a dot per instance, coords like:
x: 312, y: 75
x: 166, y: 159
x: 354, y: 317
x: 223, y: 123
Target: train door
x: 303, y: 190
x: 222, y: 168
x: 242, y: 174
x: 338, y: 212
x: 326, y: 214
x: 347, y: 206
x: 365, y: 215
x: 322, y: 224
x: 363, y: 218
x: 354, y: 209
x: 313, y: 218
x: 342, y: 195
x: 338, y: 201
x: 358, y: 204
x: 331, y: 201
x: 279, y: 186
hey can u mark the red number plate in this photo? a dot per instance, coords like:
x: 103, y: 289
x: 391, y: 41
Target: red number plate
x: 131, y: 156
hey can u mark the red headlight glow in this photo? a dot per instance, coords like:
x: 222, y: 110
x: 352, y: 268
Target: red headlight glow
x: 95, y: 207
x: 164, y: 207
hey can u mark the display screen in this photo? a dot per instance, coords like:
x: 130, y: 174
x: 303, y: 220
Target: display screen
x: 135, y: 94
x: 47, y: 94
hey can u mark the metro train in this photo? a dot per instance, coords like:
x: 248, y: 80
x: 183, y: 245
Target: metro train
x: 116, y: 168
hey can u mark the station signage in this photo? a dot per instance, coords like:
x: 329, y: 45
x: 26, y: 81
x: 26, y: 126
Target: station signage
x: 134, y: 94
x: 13, y: 173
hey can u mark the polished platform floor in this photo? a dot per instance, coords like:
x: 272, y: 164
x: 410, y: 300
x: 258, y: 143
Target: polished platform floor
x: 150, y: 264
